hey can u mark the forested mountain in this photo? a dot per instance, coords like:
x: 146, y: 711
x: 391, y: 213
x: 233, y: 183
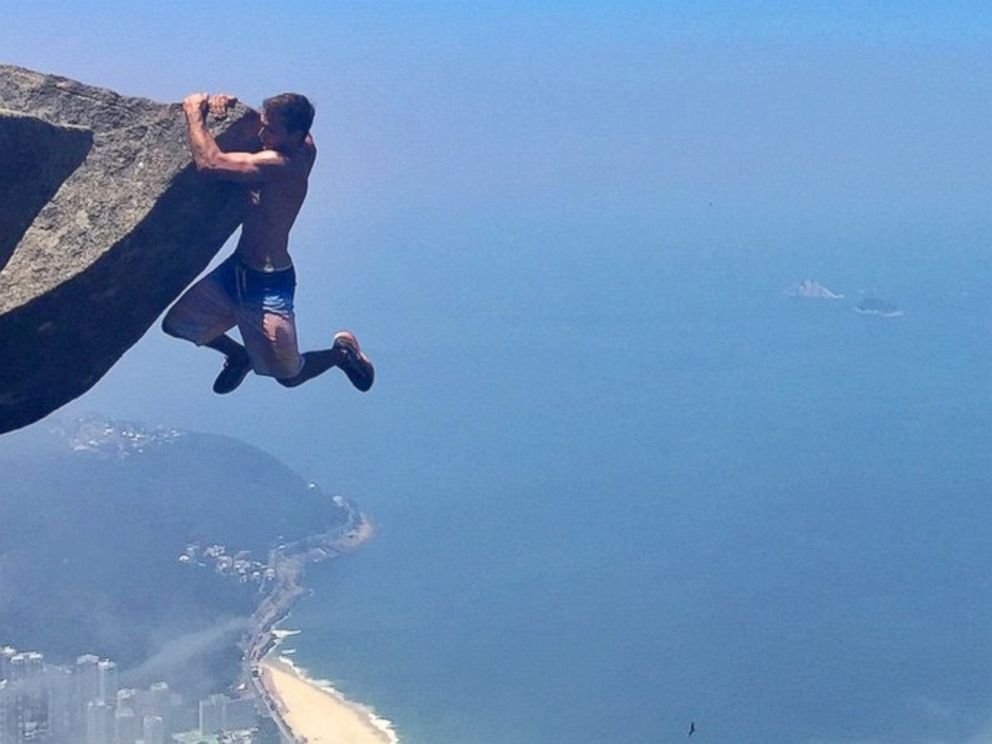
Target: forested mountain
x: 104, y: 528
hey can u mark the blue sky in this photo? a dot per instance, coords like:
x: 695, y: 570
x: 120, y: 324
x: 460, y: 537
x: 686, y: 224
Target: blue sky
x: 518, y: 108
x: 520, y: 154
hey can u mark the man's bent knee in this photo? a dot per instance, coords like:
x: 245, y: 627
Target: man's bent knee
x: 169, y: 328
x: 287, y: 372
x: 182, y: 326
x: 297, y: 379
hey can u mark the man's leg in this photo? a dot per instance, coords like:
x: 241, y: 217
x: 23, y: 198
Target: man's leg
x: 202, y: 315
x: 268, y: 327
x: 346, y: 354
x: 226, y: 346
x: 314, y: 363
x: 236, y: 367
x: 236, y: 362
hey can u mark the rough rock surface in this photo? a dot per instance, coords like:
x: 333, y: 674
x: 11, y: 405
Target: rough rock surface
x: 103, y: 222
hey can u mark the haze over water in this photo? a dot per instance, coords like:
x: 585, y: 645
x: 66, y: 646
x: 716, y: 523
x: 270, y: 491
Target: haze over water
x: 622, y: 482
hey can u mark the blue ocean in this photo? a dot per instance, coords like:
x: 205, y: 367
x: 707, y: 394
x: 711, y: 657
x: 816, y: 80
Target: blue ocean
x: 657, y: 491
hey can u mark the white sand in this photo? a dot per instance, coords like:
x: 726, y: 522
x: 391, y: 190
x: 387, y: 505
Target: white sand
x: 319, y: 714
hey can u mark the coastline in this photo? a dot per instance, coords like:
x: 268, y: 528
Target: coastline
x: 312, y: 711
x: 306, y: 711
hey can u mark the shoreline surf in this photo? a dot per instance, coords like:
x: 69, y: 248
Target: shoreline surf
x: 314, y: 711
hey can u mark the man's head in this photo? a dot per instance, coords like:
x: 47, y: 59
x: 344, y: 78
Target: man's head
x: 286, y: 121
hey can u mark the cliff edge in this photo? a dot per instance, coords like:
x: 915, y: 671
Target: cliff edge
x: 103, y: 221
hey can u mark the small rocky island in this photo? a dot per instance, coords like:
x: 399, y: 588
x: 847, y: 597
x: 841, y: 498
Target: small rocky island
x: 875, y: 306
x: 812, y: 290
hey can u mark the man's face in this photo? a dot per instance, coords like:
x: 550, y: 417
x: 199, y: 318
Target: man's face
x: 273, y: 133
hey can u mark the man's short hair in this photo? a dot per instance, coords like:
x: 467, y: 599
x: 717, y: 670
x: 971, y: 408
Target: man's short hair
x: 294, y: 110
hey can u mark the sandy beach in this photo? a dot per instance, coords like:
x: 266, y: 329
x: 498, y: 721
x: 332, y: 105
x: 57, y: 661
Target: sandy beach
x: 318, y: 714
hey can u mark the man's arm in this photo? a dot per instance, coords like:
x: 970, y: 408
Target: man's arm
x: 247, y: 167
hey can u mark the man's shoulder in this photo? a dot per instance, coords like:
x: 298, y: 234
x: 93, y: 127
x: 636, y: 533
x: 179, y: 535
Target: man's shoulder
x: 302, y: 159
x: 271, y: 157
x: 308, y: 151
x: 277, y: 165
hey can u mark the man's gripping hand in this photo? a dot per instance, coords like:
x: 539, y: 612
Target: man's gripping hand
x: 220, y: 103
x: 196, y: 104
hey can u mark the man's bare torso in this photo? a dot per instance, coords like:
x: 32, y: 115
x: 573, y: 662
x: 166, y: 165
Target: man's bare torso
x: 271, y: 211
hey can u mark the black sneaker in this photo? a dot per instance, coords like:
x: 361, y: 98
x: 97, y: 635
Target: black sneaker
x: 356, y: 365
x: 236, y: 368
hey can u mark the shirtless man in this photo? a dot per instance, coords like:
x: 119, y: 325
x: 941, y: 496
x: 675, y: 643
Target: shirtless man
x: 254, y: 288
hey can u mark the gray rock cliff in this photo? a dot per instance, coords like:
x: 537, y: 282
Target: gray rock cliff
x: 103, y: 222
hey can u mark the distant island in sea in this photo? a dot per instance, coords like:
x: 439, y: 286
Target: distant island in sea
x: 811, y: 290
x: 875, y: 306
x: 165, y: 555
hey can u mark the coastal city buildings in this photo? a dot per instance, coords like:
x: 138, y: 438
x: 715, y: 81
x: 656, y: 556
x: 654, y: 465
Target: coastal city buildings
x: 220, y: 713
x: 84, y: 704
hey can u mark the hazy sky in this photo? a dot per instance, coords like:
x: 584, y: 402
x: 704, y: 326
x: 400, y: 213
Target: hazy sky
x: 480, y: 165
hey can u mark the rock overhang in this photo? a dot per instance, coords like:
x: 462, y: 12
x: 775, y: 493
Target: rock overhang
x: 103, y: 222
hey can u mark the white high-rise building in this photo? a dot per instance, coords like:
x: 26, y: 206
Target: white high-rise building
x: 85, y: 688
x: 58, y: 686
x: 160, y: 704
x: 212, y: 714
x: 86, y: 674
x: 127, y: 726
x: 128, y: 698
x: 108, y: 681
x: 27, y: 715
x: 26, y: 666
x: 5, y: 734
x: 6, y: 654
x: 239, y: 714
x: 153, y: 730
x: 160, y: 699
x: 99, y: 723
x: 221, y: 713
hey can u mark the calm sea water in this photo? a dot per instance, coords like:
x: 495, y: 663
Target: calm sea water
x: 634, y: 505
